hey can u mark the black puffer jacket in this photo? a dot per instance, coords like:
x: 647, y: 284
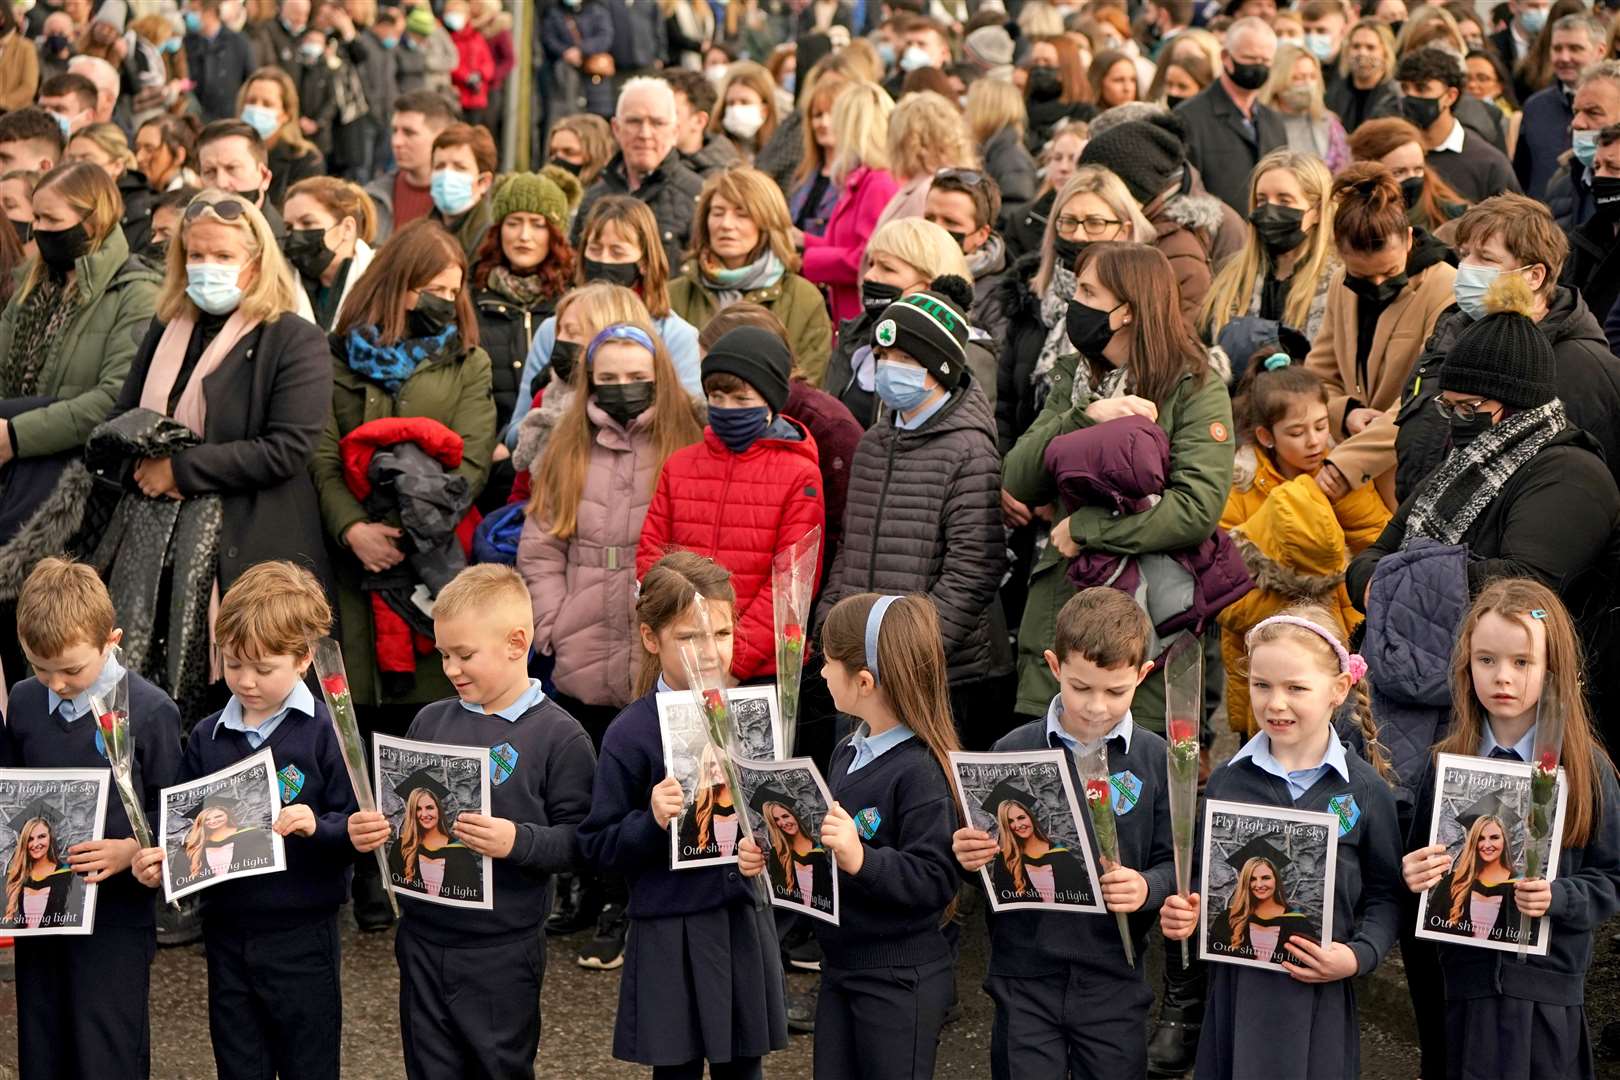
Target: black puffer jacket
x: 924, y: 515
x: 505, y: 331
x: 1588, y: 383
x: 853, y: 334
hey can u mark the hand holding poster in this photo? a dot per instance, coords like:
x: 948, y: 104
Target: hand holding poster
x: 1027, y: 804
x: 1477, y: 819
x: 786, y: 802
x: 1268, y: 879
x: 217, y: 828
x: 421, y: 789
x: 44, y: 813
x: 706, y: 832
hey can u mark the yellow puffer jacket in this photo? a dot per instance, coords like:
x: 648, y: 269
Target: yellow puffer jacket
x: 1296, y: 543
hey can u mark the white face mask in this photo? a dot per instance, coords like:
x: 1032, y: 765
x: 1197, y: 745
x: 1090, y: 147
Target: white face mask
x: 744, y: 121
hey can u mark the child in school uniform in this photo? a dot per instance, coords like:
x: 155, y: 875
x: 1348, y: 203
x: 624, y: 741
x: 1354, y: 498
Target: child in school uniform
x: 469, y: 980
x: 702, y: 979
x: 1067, y: 1003
x: 1503, y: 1018
x: 82, y: 1001
x: 1262, y: 1023
x: 275, y: 1005
x: 886, y: 973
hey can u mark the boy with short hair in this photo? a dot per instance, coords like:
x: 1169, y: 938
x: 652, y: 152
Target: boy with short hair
x: 82, y: 1001
x: 1063, y: 992
x: 750, y: 489
x: 274, y: 972
x: 469, y: 981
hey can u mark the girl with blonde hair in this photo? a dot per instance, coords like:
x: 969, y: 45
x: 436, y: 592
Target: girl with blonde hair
x: 996, y: 121
x: 37, y: 882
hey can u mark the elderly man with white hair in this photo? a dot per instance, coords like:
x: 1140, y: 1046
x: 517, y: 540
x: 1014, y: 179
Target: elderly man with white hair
x: 105, y: 78
x: 1228, y: 130
x: 648, y: 165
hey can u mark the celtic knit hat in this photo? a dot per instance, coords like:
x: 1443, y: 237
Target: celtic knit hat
x: 1503, y: 356
x: 931, y: 329
x: 532, y: 193
x: 1149, y: 155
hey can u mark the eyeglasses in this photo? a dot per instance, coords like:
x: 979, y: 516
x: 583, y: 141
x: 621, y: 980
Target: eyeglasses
x: 1094, y: 226
x: 963, y: 176
x: 226, y: 209
x: 1461, y: 410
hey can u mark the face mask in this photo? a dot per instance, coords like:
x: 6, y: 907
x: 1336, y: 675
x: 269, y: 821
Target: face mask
x: 156, y: 252
x: 1585, y: 145
x: 1250, y: 76
x: 56, y: 43
x: 739, y: 428
x: 59, y: 249
x: 564, y: 355
x: 715, y: 73
x: 1067, y: 250
x: 876, y: 295
x: 65, y: 124
x: 452, y: 192
x: 885, y: 52
x: 1088, y: 328
x: 567, y: 166
x: 310, y: 52
x: 1296, y: 42
x: 430, y: 316
x: 1422, y: 112
x: 1378, y: 294
x: 915, y: 57
x: 454, y: 21
x: 292, y: 31
x: 1606, y: 195
x: 790, y: 81
x: 626, y: 274
x: 388, y: 42
x: 172, y: 45
x: 1412, y: 191
x: 1172, y: 100
x: 744, y: 120
x: 1044, y: 84
x: 1321, y: 46
x: 264, y: 121
x: 1533, y: 19
x: 624, y: 401
x: 306, y: 249
x: 25, y: 231
x: 1466, y: 431
x: 1296, y: 99
x: 193, y: 22
x: 1471, y: 285
x: 902, y: 388
x: 960, y: 238
x: 213, y: 287
x: 1279, y: 227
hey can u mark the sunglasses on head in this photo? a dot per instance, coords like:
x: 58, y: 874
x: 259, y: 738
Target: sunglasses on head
x: 227, y: 209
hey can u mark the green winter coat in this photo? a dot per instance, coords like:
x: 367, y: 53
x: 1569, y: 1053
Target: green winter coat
x: 454, y: 391
x: 86, y: 371
x: 1198, y: 419
x: 793, y: 299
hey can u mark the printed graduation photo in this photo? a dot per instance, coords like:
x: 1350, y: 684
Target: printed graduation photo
x: 786, y: 802
x: 708, y: 828
x: 1482, y: 814
x: 1027, y: 804
x: 43, y: 813
x: 421, y: 788
x: 1268, y: 879
x: 218, y: 828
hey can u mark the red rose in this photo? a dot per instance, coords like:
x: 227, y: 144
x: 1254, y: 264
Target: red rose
x: 792, y: 631
x: 1096, y: 790
x: 1181, y: 730
x: 1549, y: 763
x: 107, y: 720
x: 712, y: 699
x: 335, y: 685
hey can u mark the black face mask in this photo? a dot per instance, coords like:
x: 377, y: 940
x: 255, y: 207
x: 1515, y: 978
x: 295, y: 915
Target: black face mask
x: 430, y: 316
x: 567, y: 166
x: 1377, y: 294
x: 876, y: 295
x: 1088, y: 328
x: 624, y: 401
x: 1279, y: 227
x: 1606, y: 196
x: 306, y: 249
x: 1466, y: 431
x: 155, y: 252
x: 1421, y: 111
x: 1250, y: 76
x: 1044, y: 84
x: 626, y: 274
x: 60, y: 248
x: 1172, y: 100
x: 564, y: 355
x: 1412, y: 191
x: 25, y: 231
x: 1068, y: 251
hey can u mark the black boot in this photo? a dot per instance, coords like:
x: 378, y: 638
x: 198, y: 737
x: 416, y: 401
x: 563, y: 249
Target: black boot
x: 1174, y: 1046
x: 372, y: 912
x: 579, y: 902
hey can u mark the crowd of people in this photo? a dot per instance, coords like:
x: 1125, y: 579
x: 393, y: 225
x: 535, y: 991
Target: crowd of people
x: 1068, y: 331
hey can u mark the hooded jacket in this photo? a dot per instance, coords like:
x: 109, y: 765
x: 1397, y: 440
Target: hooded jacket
x: 1021, y: 343
x: 924, y: 515
x: 1009, y: 163
x: 1187, y: 226
x: 1593, y: 266
x: 715, y: 155
x: 740, y: 510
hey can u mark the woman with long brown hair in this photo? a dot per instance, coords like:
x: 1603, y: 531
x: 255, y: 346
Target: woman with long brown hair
x: 1396, y: 144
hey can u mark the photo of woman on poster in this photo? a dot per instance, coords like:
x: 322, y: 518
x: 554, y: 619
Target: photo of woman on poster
x: 709, y: 826
x: 1475, y: 897
x: 1030, y: 865
x: 426, y: 858
x: 37, y: 884
x: 800, y: 869
x: 1257, y: 922
x: 217, y: 843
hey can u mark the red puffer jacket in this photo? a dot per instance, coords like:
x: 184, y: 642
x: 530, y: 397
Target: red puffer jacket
x: 740, y: 510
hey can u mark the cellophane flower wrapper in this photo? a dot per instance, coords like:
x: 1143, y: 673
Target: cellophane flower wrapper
x: 1542, y: 797
x: 793, y: 585
x: 706, y: 679
x: 334, y: 680
x: 1183, y: 697
x: 112, y: 719
x: 1093, y: 768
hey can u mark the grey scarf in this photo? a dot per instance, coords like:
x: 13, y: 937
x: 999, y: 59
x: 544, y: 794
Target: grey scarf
x: 1054, y: 315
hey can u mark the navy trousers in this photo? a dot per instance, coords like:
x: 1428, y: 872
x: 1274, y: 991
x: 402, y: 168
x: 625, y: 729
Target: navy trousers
x: 881, y: 1023
x: 275, y: 1001
x: 1082, y: 1025
x: 469, y: 1012
x: 82, y: 1004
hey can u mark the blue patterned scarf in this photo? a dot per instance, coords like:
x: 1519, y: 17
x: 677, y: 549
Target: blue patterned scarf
x: 390, y: 365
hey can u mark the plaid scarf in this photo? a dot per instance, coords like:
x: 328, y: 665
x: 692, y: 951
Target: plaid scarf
x: 41, y: 320
x: 1472, y: 476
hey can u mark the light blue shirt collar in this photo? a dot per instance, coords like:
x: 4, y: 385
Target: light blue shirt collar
x: 111, y: 672
x: 1258, y: 750
x: 230, y: 718
x: 664, y: 687
x: 923, y: 416
x: 533, y: 696
x: 1056, y: 730
x: 868, y: 748
x: 1525, y: 747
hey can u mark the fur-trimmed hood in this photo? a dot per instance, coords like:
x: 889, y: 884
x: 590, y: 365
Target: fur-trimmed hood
x: 47, y: 530
x: 1200, y: 213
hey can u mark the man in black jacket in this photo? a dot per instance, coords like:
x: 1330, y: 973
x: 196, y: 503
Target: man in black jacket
x: 1594, y: 248
x: 1228, y: 130
x: 1431, y: 86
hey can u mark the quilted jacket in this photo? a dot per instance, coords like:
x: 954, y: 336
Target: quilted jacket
x: 924, y: 515
x: 1296, y: 543
x: 740, y: 510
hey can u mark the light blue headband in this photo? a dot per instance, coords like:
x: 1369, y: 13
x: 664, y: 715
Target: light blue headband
x: 874, y: 624
x: 619, y: 332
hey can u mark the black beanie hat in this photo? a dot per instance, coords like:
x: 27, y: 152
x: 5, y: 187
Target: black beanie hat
x: 757, y: 357
x: 1149, y: 155
x: 1503, y: 356
x: 931, y: 329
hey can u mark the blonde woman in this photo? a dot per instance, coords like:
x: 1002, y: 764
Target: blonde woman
x: 268, y: 103
x: 814, y: 193
x: 1256, y: 924
x: 1474, y: 898
x: 996, y: 121
x: 217, y: 843
x: 860, y: 124
x: 800, y: 869
x: 709, y: 827
x: 1288, y: 257
x: 104, y: 146
x: 426, y: 858
x: 1031, y: 865
x: 742, y: 249
x: 37, y: 883
x: 1367, y: 68
x: 331, y: 225
x: 747, y: 112
x: 1295, y: 91
x: 926, y: 133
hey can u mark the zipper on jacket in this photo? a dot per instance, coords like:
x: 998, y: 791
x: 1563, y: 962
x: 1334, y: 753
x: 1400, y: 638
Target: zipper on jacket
x: 877, y: 518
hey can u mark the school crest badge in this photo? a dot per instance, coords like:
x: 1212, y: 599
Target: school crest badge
x: 1127, y: 789
x: 291, y: 780
x: 1345, y: 809
x: 503, y: 761
x: 867, y: 822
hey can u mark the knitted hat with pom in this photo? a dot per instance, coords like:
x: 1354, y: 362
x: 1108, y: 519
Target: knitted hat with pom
x: 1503, y: 356
x: 931, y: 328
x: 533, y: 193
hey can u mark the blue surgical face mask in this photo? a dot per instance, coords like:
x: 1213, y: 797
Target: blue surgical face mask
x: 171, y: 45
x: 212, y: 287
x: 790, y: 81
x: 1471, y: 285
x: 264, y: 121
x: 193, y: 22
x: 310, y: 51
x: 739, y: 428
x: 915, y: 57
x: 1533, y: 19
x: 902, y: 387
x: 65, y: 124
x: 452, y: 192
x: 1320, y: 45
x: 885, y: 51
x: 388, y: 42
x: 1585, y: 145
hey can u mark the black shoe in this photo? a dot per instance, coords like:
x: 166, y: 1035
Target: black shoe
x: 579, y: 904
x: 606, y: 951
x: 180, y: 925
x: 1609, y: 1040
x: 372, y: 912
x: 1174, y: 1046
x: 805, y: 956
x: 801, y: 1013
